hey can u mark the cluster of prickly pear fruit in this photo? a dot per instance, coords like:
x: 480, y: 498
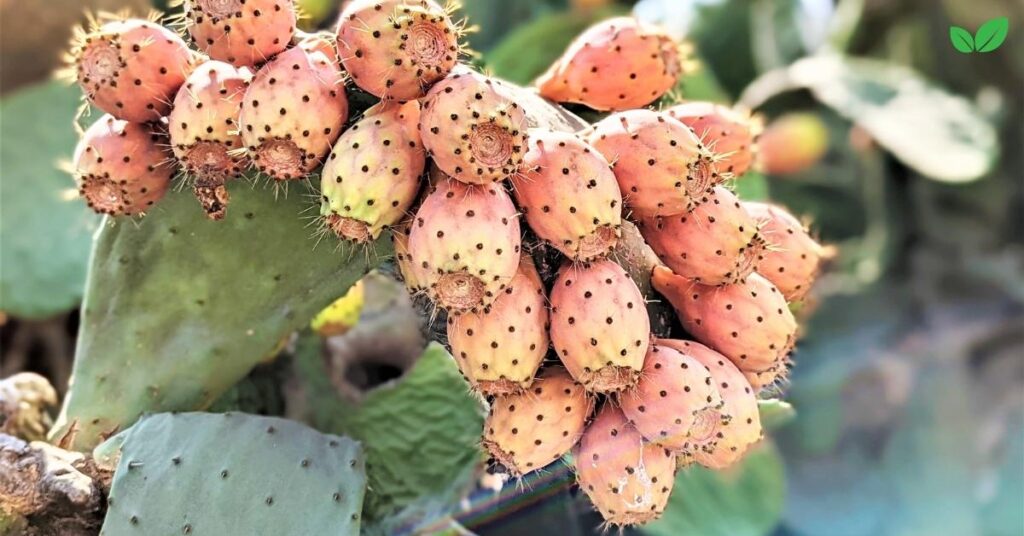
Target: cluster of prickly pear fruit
x: 508, y: 214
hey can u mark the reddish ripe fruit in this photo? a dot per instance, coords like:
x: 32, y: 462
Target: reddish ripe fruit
x: 599, y: 325
x: 473, y: 128
x: 792, y: 143
x: 397, y: 49
x: 569, y: 195
x: 628, y: 479
x: 731, y: 135
x: 727, y: 439
x: 661, y: 166
x: 531, y: 429
x: 675, y: 404
x: 204, y: 131
x: 716, y: 244
x: 373, y: 174
x: 793, y: 258
x: 241, y: 32
x: 750, y: 323
x: 293, y: 111
x: 131, y: 68
x: 617, y: 64
x: 500, y: 348
x: 122, y: 168
x: 466, y: 241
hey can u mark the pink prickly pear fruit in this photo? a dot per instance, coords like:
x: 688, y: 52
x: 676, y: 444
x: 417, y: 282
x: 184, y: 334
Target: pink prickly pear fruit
x: 500, y: 347
x: 617, y: 64
x: 728, y: 439
x: 569, y: 196
x: 122, y: 168
x: 466, y: 241
x: 749, y: 322
x: 473, y: 128
x: 628, y: 479
x: 730, y: 134
x: 717, y: 243
x: 373, y: 174
x: 397, y: 49
x: 411, y: 272
x: 293, y: 112
x: 675, y: 404
x: 203, y: 126
x: 661, y: 166
x: 793, y: 258
x: 131, y: 68
x: 599, y: 325
x: 792, y: 143
x: 528, y: 430
x: 241, y: 32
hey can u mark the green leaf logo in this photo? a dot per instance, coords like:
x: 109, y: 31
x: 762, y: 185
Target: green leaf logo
x: 988, y: 38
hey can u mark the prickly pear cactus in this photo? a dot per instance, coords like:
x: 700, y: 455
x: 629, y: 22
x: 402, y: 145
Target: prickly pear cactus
x: 233, y: 473
x: 178, y: 309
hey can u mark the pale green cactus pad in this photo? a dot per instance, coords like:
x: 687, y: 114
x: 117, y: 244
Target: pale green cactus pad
x: 178, y: 309
x: 233, y: 473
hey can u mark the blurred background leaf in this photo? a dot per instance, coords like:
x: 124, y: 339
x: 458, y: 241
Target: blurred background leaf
x: 745, y: 500
x: 45, y: 246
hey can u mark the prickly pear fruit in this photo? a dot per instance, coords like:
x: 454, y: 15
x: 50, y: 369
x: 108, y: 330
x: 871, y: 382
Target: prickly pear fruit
x: 411, y: 273
x: 122, y: 168
x: 241, y: 32
x: 661, y: 166
x: 397, y: 49
x: 500, y: 348
x: 130, y: 68
x: 730, y: 134
x: 716, y: 244
x: 729, y: 438
x: 599, y: 325
x: 628, y: 479
x: 617, y: 64
x: 373, y: 174
x: 466, y: 240
x: 675, y: 404
x: 530, y: 429
x: 792, y: 260
x: 203, y: 126
x: 792, y: 143
x: 749, y: 322
x: 569, y: 195
x: 473, y: 128
x: 293, y: 111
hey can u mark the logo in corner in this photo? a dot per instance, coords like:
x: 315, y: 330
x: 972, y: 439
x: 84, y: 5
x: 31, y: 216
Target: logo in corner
x: 988, y: 38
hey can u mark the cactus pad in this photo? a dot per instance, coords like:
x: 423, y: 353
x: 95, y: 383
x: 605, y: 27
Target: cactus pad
x: 233, y: 473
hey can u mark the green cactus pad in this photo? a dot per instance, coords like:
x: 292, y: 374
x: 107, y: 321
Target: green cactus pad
x: 178, y: 309
x: 418, y: 431
x: 233, y: 473
x: 45, y: 246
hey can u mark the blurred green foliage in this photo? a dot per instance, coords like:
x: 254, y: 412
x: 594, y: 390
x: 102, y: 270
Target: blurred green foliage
x: 421, y: 434
x: 46, y: 229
